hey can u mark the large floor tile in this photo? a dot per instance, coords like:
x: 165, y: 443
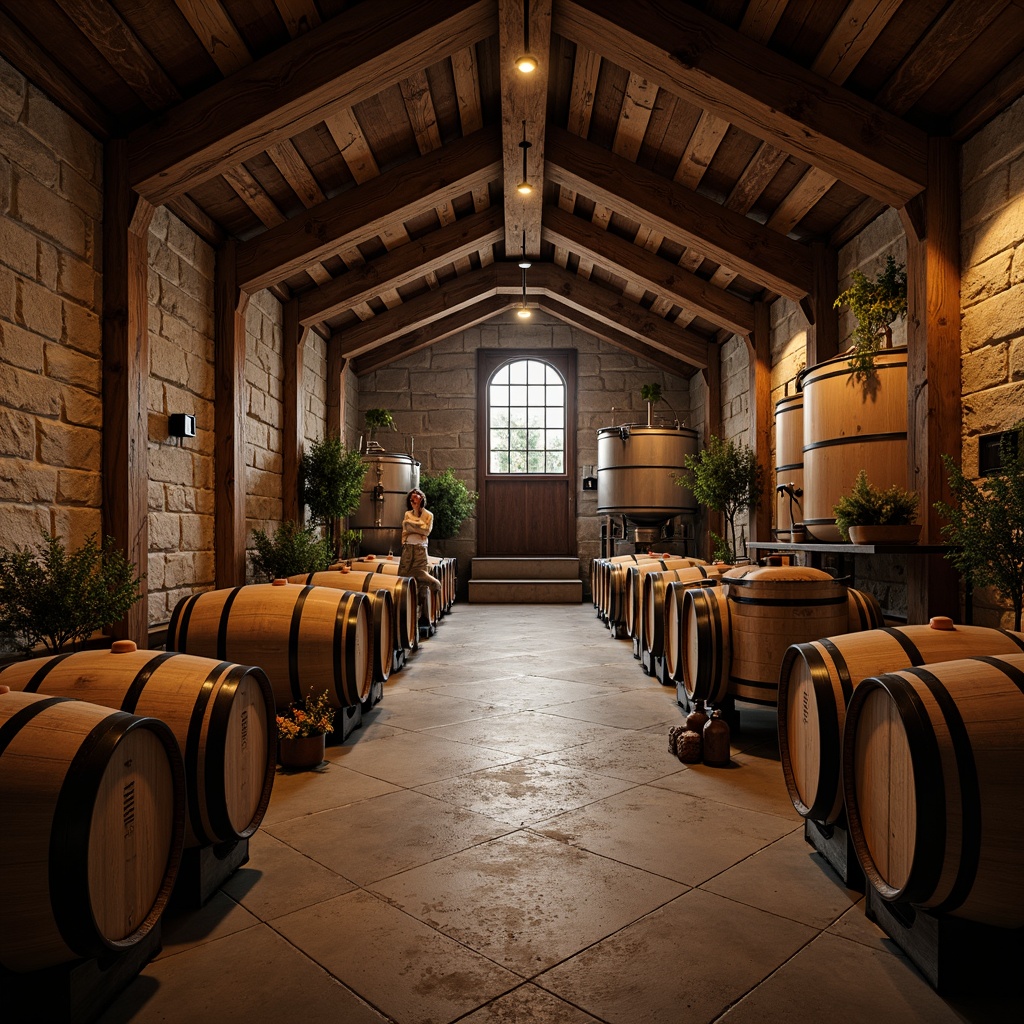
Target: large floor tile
x: 683, y: 964
x: 675, y: 835
x: 409, y: 971
x: 330, y: 785
x: 636, y: 756
x: 529, y: 1003
x: 522, y: 692
x: 219, y: 916
x: 251, y: 976
x: 846, y: 983
x: 525, y: 901
x: 629, y: 709
x: 377, y: 838
x: 418, y: 709
x: 525, y: 791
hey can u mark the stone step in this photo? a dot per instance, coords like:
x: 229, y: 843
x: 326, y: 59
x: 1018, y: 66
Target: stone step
x: 525, y: 568
x: 528, y: 591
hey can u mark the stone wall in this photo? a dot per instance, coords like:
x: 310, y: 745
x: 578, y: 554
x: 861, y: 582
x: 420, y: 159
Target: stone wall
x: 433, y: 397
x: 51, y: 209
x: 992, y: 297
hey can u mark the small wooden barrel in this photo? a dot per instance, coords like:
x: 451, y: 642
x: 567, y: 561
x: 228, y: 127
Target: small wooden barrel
x: 604, y: 569
x: 651, y: 624
x: 789, y: 461
x: 705, y: 644
x: 933, y: 759
x: 771, y: 608
x: 818, y: 678
x: 222, y: 716
x: 94, y: 816
x: 390, y: 568
x: 633, y: 604
x: 403, y: 590
x: 850, y: 426
x: 385, y: 632
x: 308, y: 640
x: 673, y: 642
x: 863, y: 611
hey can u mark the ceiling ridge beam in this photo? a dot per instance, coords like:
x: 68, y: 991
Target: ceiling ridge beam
x: 367, y: 209
x: 648, y: 270
x: 345, y: 60
x: 767, y: 257
x: 694, y: 56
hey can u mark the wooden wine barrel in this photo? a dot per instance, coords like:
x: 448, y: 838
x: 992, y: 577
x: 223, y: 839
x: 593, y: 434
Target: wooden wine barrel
x: 308, y: 639
x: 863, y: 611
x: 385, y: 631
x: 818, y: 678
x: 446, y: 570
x: 850, y: 426
x: 651, y: 625
x: 789, y: 462
x: 403, y: 590
x: 604, y: 569
x: 221, y: 714
x: 771, y: 608
x: 93, y: 821
x: 705, y: 644
x: 634, y: 588
x: 390, y: 568
x: 933, y: 759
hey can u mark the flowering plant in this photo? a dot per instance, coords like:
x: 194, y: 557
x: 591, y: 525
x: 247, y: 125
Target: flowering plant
x: 307, y: 717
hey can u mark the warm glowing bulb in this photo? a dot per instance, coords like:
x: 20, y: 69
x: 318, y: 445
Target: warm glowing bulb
x: 524, y: 188
x: 527, y: 63
x: 523, y: 313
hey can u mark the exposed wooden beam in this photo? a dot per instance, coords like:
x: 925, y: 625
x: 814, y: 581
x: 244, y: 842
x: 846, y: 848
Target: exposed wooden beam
x: 852, y: 36
x: 299, y: 15
x: 347, y: 59
x: 759, y: 390
x: 293, y: 397
x: 727, y: 237
x: 369, y: 209
x: 216, y: 31
x: 648, y: 271
x: 335, y: 412
x: 523, y: 99
x: 402, y: 265
x: 697, y: 57
x: 990, y: 100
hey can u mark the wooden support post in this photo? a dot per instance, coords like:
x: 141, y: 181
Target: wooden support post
x: 759, y: 355
x: 229, y: 420
x: 293, y: 427
x: 823, y: 335
x: 934, y: 408
x: 335, y: 388
x: 126, y: 219
x: 713, y: 422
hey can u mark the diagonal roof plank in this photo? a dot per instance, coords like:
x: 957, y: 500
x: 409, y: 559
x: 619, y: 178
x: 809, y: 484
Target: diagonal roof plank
x: 347, y: 59
x: 765, y: 256
x: 368, y: 209
x: 523, y: 99
x: 773, y: 98
x: 422, y: 337
x: 648, y: 271
x: 402, y: 265
x: 654, y: 356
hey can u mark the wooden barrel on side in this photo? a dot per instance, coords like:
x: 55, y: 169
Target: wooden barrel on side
x: 771, y: 608
x: 849, y: 426
x: 789, y: 463
x: 390, y: 568
x: 818, y: 678
x: 403, y: 590
x: 604, y: 572
x: 446, y: 571
x: 633, y: 603
x: 94, y: 817
x: 651, y: 624
x: 673, y: 637
x: 863, y: 611
x: 933, y: 759
x: 705, y: 644
x: 309, y: 640
x: 221, y: 714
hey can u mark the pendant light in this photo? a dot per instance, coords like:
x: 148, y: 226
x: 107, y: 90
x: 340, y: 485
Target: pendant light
x: 524, y: 188
x: 526, y: 62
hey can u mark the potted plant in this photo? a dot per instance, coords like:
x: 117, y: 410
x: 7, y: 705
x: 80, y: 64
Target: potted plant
x: 875, y: 304
x: 332, y: 475
x: 54, y: 598
x: 292, y: 550
x: 985, y: 526
x: 450, y: 500
x: 377, y: 419
x: 302, y: 729
x: 872, y: 515
x: 726, y: 477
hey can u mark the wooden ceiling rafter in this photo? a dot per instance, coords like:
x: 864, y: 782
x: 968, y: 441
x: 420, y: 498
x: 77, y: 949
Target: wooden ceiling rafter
x: 217, y: 32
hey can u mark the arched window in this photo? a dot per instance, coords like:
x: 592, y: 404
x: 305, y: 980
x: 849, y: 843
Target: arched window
x: 526, y: 418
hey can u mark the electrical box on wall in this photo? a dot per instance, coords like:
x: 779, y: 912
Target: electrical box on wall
x: 989, y: 455
x: 181, y: 425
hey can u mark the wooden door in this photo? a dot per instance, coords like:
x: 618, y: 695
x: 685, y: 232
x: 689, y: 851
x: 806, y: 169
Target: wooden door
x: 526, y: 452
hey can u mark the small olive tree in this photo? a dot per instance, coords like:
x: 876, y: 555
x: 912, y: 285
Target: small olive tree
x: 332, y: 483
x: 293, y: 549
x: 450, y: 501
x: 726, y: 477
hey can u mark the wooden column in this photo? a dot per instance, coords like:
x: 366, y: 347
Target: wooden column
x: 126, y: 219
x: 759, y: 354
x: 934, y: 406
x: 229, y: 420
x: 335, y: 388
x: 713, y: 422
x: 823, y: 333
x: 293, y: 428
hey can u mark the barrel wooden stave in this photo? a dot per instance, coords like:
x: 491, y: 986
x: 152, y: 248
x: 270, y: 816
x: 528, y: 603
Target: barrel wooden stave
x: 651, y: 625
x: 932, y: 762
x: 818, y: 678
x: 94, y: 818
x: 635, y: 575
x: 705, y: 644
x: 221, y: 714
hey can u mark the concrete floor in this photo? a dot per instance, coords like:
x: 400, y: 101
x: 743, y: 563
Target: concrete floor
x: 508, y: 839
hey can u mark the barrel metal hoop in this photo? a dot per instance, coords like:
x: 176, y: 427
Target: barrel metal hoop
x: 142, y: 677
x: 785, y: 602
x: 193, y: 740
x: 846, y: 371
x: 909, y: 647
x: 833, y: 442
x: 294, y: 682
x: 32, y: 686
x: 222, y: 626
x: 19, y: 719
x: 789, y: 465
x: 1014, y: 637
x: 829, y: 755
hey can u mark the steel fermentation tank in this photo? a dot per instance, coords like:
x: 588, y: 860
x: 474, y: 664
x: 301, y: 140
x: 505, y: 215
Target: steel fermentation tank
x: 389, y: 478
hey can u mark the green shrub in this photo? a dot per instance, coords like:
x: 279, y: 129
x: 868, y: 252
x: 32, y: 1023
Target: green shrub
x: 450, y: 500
x: 292, y: 550
x: 871, y: 506
x: 332, y: 483
x: 55, y: 598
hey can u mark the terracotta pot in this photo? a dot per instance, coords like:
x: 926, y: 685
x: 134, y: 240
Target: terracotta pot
x: 885, y: 534
x: 302, y: 752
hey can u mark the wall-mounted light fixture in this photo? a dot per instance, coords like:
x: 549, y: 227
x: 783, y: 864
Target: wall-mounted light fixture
x: 524, y: 188
x: 181, y: 425
x: 526, y: 62
x: 523, y: 312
